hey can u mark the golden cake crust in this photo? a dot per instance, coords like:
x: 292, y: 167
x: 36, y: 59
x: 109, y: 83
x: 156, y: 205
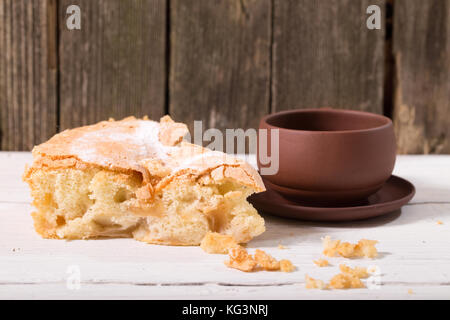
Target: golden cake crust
x: 140, y: 145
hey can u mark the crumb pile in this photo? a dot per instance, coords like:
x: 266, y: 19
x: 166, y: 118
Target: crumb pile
x: 312, y: 283
x: 241, y: 260
x: 321, y: 262
x: 364, y: 248
x: 348, y: 278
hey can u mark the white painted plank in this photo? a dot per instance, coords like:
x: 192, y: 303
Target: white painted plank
x: 430, y: 174
x: 214, y: 291
x: 414, y: 251
x: 12, y: 166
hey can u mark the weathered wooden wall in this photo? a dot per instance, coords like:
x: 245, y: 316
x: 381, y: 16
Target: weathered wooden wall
x: 115, y: 66
x: 28, y: 73
x: 324, y: 55
x: 220, y: 61
x: 422, y: 63
x: 226, y: 62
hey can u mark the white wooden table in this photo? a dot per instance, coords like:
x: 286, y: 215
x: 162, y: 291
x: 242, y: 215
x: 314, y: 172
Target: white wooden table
x: 415, y: 252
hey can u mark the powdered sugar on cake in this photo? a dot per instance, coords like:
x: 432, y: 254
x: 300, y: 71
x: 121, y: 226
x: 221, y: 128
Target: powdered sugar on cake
x: 150, y: 147
x: 140, y: 139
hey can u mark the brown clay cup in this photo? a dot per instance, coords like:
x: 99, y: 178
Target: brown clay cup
x: 330, y: 156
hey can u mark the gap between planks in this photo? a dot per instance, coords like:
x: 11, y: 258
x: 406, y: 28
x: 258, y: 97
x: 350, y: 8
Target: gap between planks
x: 207, y: 283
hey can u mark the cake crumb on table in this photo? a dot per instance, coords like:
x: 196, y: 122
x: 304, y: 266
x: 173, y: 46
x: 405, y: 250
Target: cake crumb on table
x: 286, y: 266
x: 266, y: 261
x: 364, y: 248
x: 410, y: 291
x: 440, y: 222
x: 359, y: 272
x: 280, y: 246
x: 339, y: 281
x: 321, y: 262
x: 349, y: 278
x: 240, y: 259
x: 311, y: 283
x: 345, y: 281
x: 215, y: 242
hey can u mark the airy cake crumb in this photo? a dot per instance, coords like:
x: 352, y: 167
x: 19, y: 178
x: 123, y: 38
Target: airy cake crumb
x: 286, y: 266
x: 364, y: 248
x: 359, y: 272
x: 349, y: 278
x: 321, y: 262
x: 240, y: 259
x: 214, y: 242
x: 311, y: 283
x: 339, y: 281
x: 345, y: 281
x: 266, y: 261
x: 330, y: 246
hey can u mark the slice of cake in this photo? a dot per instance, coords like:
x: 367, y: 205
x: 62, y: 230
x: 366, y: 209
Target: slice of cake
x: 138, y: 178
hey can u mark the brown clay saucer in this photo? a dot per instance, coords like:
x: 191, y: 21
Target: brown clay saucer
x: 395, y: 193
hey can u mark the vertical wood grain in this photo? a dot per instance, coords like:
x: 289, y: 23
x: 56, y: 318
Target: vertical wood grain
x: 325, y: 56
x: 28, y: 99
x: 220, y: 61
x: 115, y: 66
x: 422, y: 61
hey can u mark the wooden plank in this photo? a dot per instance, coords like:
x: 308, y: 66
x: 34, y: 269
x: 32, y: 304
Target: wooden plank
x: 92, y: 290
x: 115, y: 66
x: 411, y: 239
x: 325, y: 56
x: 422, y: 60
x: 28, y: 95
x: 410, y: 242
x: 220, y: 62
x: 404, y: 261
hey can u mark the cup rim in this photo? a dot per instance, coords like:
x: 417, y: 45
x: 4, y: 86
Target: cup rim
x: 388, y: 121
